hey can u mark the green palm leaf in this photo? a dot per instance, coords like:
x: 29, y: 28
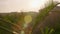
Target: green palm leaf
x: 42, y: 14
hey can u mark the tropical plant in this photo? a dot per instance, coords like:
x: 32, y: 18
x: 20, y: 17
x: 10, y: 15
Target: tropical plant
x: 47, y: 30
x: 8, y: 21
x: 42, y: 14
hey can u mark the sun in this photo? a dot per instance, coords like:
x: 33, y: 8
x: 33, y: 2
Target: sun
x: 36, y: 4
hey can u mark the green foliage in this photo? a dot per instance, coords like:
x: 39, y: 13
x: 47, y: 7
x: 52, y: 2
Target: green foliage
x: 5, y: 27
x: 43, y: 13
x: 47, y: 30
x: 8, y: 21
x: 4, y: 31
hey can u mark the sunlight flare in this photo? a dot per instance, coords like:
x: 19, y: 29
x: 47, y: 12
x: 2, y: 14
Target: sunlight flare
x: 36, y: 4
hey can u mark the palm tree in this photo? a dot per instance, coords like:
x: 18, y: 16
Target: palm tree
x: 42, y: 15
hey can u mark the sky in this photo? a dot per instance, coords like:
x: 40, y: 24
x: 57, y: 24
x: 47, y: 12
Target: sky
x: 17, y: 5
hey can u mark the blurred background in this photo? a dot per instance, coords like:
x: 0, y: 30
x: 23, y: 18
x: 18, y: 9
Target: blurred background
x: 29, y: 17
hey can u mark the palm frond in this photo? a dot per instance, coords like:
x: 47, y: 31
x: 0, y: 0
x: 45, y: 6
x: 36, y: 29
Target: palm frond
x: 43, y: 13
